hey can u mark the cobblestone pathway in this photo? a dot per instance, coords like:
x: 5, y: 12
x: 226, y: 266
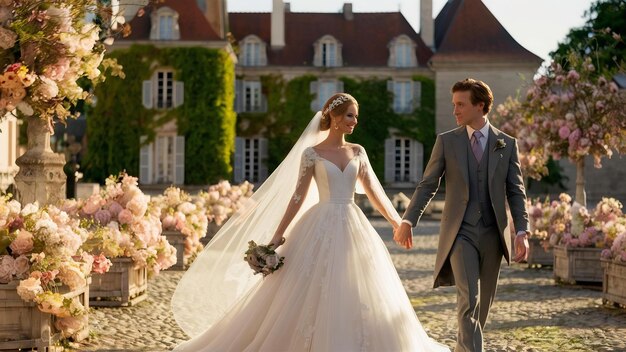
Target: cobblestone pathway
x: 531, y: 313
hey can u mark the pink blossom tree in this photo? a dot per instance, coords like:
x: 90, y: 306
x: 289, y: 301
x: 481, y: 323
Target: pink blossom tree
x: 567, y: 114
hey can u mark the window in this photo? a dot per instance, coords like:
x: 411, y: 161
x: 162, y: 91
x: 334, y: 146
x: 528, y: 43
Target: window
x: 403, y: 160
x: 327, y: 52
x: 323, y: 90
x: 402, y: 96
x: 162, y: 92
x: 252, y: 96
x: 402, y: 52
x: 250, y: 154
x: 407, y: 95
x: 164, y: 24
x: 252, y: 52
x: 164, y: 89
x: 162, y: 161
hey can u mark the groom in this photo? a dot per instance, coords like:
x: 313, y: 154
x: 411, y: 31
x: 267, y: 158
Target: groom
x: 481, y: 169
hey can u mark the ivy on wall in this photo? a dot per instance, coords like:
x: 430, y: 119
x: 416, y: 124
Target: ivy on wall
x: 289, y: 112
x: 206, y: 118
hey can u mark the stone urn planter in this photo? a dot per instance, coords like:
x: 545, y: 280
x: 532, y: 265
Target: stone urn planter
x: 576, y: 265
x: 24, y: 326
x: 614, y: 283
x: 123, y: 285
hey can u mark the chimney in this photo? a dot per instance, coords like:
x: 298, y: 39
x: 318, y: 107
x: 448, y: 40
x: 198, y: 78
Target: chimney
x: 287, y: 7
x: 427, y: 23
x: 215, y: 13
x: 347, y: 11
x: 278, y: 24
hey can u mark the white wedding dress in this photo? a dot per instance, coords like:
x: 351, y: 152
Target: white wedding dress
x: 338, y: 289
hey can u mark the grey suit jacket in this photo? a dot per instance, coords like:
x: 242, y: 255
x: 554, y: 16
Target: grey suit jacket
x: 449, y: 160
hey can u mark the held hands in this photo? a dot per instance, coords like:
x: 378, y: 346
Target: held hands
x: 403, y: 235
x: 521, y: 248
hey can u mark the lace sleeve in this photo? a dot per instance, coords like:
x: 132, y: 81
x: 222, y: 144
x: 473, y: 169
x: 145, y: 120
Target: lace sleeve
x: 374, y: 190
x: 307, y: 167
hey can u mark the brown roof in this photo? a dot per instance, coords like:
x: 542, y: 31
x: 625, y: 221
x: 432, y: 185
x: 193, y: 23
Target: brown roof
x: 191, y: 21
x: 363, y: 41
x: 465, y: 30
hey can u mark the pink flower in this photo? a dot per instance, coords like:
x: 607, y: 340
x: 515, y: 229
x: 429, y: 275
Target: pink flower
x: 600, y: 105
x: 115, y: 208
x: 23, y: 243
x: 92, y: 205
x: 574, y: 136
x: 101, y: 264
x: 573, y: 75
x: 169, y: 222
x: 29, y: 289
x: 564, y: 132
x: 22, y: 266
x: 125, y: 216
x: 71, y: 325
x: 7, y: 269
x: 103, y: 216
x: 606, y: 253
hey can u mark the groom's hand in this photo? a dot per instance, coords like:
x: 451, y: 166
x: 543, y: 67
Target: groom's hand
x: 521, y: 247
x: 404, y: 235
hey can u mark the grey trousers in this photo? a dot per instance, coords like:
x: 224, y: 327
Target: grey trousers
x: 475, y: 259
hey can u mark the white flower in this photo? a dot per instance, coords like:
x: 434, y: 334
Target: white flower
x: 47, y: 88
x: 29, y: 289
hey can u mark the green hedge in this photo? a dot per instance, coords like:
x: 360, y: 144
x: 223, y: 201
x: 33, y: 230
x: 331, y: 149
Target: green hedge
x: 206, y: 118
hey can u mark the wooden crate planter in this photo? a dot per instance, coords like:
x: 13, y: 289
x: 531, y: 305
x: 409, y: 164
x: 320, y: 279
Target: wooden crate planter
x: 538, y: 255
x: 122, y: 285
x: 574, y: 265
x: 24, y: 326
x: 177, y: 240
x: 614, y: 283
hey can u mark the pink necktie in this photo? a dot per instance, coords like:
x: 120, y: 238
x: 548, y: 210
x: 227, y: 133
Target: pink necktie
x: 476, y: 147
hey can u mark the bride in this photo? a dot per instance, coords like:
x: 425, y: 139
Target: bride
x: 338, y: 289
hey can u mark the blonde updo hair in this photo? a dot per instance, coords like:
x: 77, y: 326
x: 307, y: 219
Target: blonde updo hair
x: 336, y: 105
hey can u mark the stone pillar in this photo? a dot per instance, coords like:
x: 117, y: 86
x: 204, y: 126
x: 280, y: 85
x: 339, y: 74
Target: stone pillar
x: 41, y: 177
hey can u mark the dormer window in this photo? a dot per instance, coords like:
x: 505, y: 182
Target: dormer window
x: 164, y: 24
x: 327, y: 52
x: 402, y: 52
x: 252, y: 52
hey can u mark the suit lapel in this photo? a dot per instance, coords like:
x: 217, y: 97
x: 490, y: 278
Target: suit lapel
x: 461, y: 152
x: 494, y: 155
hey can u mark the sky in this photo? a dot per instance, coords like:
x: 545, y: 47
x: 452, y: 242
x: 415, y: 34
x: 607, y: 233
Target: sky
x: 538, y: 25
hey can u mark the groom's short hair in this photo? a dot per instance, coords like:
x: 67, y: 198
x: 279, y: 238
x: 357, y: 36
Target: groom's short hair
x: 479, y: 92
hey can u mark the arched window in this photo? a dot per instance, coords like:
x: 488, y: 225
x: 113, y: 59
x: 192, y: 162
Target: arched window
x: 327, y: 52
x: 252, y: 52
x: 164, y: 24
x: 402, y: 52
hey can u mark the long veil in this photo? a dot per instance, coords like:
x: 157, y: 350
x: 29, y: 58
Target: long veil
x: 219, y: 277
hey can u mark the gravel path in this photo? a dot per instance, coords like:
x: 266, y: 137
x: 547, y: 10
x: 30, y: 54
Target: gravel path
x: 531, y: 313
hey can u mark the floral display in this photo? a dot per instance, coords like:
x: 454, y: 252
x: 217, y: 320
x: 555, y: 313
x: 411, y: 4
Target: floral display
x: 47, y: 47
x: 568, y: 223
x: 122, y: 223
x: 180, y: 212
x: 42, y: 248
x: 223, y: 199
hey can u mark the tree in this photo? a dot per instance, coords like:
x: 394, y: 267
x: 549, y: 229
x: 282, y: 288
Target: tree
x: 603, y: 16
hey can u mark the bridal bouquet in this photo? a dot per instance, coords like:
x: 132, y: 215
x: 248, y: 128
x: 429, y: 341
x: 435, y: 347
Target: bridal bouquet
x: 263, y: 259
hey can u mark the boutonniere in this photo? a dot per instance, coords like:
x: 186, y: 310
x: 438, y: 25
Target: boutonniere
x: 499, y: 144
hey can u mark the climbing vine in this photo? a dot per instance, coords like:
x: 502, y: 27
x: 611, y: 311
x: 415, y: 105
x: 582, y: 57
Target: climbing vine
x: 206, y: 118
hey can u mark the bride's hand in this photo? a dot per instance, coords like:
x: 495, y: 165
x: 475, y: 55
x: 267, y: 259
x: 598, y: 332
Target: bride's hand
x: 277, y: 242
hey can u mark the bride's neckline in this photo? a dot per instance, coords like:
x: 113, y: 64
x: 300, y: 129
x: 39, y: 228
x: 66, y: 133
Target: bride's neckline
x: 356, y: 153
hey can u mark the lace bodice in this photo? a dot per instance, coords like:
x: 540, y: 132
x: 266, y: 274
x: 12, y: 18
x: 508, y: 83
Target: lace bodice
x: 334, y: 184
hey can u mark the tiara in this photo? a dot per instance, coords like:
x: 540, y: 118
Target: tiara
x: 335, y: 103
